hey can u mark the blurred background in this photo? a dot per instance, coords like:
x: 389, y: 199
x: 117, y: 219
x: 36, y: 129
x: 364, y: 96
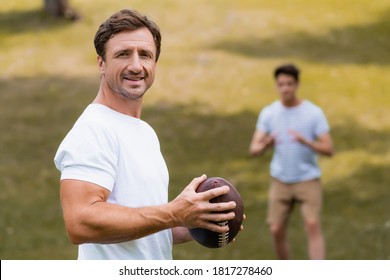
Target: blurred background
x: 213, y: 78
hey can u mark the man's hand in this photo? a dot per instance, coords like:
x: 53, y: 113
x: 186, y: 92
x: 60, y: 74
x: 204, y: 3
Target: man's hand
x: 269, y: 141
x: 241, y: 227
x: 193, y: 210
x: 261, y: 141
x: 298, y: 136
x: 322, y: 145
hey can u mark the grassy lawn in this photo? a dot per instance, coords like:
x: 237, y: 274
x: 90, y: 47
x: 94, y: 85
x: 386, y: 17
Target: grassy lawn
x: 213, y: 77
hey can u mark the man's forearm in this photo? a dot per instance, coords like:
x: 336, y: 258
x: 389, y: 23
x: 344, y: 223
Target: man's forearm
x: 258, y: 147
x: 319, y: 147
x: 110, y: 223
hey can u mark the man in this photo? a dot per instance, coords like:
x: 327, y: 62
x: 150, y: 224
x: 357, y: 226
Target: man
x: 114, y: 180
x: 298, y: 130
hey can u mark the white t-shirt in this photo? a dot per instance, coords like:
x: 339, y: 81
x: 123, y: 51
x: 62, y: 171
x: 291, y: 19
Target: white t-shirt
x: 121, y: 154
x: 292, y: 161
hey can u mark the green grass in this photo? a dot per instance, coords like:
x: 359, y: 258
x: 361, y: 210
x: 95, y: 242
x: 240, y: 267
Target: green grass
x: 214, y: 75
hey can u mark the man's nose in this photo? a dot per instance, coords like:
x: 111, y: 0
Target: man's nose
x: 134, y: 63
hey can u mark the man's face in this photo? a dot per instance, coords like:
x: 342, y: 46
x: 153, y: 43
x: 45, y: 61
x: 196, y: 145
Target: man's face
x: 287, y: 87
x: 130, y: 63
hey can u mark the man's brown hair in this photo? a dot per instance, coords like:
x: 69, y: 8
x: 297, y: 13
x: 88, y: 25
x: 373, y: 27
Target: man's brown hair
x: 125, y: 20
x: 287, y: 69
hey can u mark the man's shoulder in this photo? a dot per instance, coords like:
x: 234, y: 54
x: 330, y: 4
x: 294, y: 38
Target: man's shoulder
x: 98, y: 119
x: 102, y: 116
x: 94, y: 124
x: 92, y: 118
x: 311, y: 104
x: 312, y: 107
x: 271, y: 107
x: 275, y: 104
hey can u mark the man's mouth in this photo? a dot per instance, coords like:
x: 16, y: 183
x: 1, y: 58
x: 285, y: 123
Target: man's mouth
x: 134, y: 78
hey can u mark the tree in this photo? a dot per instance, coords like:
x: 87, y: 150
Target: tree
x: 61, y: 8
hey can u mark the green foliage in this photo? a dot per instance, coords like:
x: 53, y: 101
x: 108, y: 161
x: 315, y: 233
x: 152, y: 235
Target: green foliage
x: 214, y: 75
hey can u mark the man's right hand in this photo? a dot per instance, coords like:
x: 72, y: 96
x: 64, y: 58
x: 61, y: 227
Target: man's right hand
x: 194, y: 210
x: 261, y: 141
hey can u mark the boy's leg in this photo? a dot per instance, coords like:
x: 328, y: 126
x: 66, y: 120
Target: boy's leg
x: 310, y: 195
x: 279, y: 208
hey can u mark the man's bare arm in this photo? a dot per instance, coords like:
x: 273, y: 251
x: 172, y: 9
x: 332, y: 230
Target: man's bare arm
x: 322, y: 145
x: 261, y: 141
x: 89, y: 218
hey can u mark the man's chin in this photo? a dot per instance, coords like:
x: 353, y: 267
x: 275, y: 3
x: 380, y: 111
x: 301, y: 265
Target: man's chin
x: 132, y: 95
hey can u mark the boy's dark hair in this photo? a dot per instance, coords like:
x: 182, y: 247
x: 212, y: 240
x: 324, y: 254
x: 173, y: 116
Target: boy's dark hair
x: 125, y: 20
x: 287, y: 69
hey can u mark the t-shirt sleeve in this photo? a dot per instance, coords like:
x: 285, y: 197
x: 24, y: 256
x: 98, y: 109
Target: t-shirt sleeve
x: 88, y: 153
x: 263, y: 121
x: 321, y: 125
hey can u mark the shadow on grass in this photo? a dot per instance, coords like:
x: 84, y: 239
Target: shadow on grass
x: 39, y: 113
x: 198, y: 137
x: 16, y: 22
x: 350, y: 135
x: 356, y: 214
x: 360, y: 44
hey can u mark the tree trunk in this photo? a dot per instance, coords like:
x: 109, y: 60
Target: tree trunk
x: 61, y: 9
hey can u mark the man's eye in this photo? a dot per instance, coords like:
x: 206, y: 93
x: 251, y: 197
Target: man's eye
x: 123, y: 54
x: 146, y: 55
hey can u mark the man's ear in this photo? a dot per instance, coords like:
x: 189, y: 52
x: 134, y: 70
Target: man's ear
x: 100, y: 62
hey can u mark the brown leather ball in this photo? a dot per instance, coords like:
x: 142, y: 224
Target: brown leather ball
x: 213, y: 239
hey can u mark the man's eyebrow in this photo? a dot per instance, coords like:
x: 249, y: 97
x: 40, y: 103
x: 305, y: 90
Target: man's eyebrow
x: 146, y: 51
x: 122, y: 50
x: 130, y: 50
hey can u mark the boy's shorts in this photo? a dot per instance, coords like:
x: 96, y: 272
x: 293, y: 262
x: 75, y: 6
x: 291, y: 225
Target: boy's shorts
x: 282, y: 198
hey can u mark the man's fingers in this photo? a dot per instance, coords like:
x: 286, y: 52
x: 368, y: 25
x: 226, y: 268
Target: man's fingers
x: 221, y: 206
x: 220, y: 217
x: 215, y: 227
x: 207, y: 195
x: 196, y: 182
x: 242, y: 226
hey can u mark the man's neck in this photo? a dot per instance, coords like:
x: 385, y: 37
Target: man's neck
x: 291, y: 103
x: 118, y: 103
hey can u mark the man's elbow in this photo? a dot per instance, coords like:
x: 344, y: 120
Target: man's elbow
x: 75, y: 230
x: 329, y: 152
x: 75, y: 240
x: 253, y: 152
x: 75, y: 236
